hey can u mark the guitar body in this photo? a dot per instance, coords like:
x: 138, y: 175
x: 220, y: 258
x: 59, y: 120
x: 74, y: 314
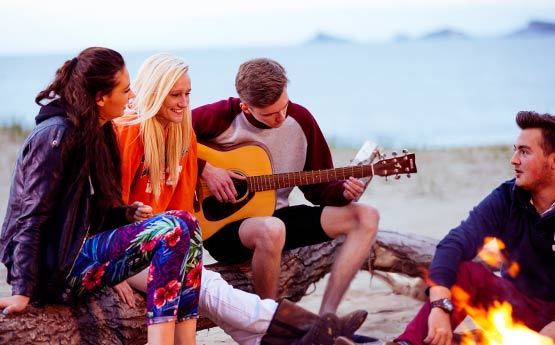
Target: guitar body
x: 249, y: 160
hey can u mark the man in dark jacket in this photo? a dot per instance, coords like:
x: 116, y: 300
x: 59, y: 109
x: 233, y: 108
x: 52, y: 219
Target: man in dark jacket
x: 521, y: 214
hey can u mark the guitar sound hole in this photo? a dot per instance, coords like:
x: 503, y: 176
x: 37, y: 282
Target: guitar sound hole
x: 241, y: 188
x: 215, y: 210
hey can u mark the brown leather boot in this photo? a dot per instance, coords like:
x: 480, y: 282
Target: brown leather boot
x: 323, y: 332
x: 289, y: 324
x: 351, y: 322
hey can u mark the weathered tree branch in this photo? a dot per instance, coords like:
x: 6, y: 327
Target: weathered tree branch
x: 103, y: 319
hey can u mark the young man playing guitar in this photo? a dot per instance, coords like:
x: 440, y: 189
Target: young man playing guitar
x: 264, y: 115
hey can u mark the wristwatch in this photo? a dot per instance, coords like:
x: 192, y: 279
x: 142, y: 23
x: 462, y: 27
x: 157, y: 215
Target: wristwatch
x: 443, y: 303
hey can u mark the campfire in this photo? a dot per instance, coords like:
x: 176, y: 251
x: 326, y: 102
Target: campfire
x: 496, y: 325
x: 498, y: 328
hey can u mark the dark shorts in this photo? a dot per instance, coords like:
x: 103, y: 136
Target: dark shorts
x: 302, y: 224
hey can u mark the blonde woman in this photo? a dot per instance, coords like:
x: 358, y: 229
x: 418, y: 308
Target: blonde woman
x: 157, y: 143
x: 159, y: 168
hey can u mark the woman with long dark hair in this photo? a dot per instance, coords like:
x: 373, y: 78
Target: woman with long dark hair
x: 66, y: 232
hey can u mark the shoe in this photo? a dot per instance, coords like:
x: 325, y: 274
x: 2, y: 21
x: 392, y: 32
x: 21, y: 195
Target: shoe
x: 351, y: 322
x: 363, y: 339
x: 289, y: 323
x: 323, y: 332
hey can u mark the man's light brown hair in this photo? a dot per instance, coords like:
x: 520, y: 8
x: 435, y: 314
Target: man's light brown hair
x: 260, y: 82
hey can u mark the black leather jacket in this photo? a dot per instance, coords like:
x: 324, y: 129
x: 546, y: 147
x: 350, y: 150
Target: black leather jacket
x: 49, y: 211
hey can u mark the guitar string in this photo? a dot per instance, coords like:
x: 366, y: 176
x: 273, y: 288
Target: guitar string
x: 324, y: 175
x: 296, y: 178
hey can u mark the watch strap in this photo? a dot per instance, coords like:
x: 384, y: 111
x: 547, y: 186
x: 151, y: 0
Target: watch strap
x: 444, y: 304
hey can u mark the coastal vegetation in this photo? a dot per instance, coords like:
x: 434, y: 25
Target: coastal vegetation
x: 14, y: 131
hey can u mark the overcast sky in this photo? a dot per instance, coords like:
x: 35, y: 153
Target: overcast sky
x: 70, y: 25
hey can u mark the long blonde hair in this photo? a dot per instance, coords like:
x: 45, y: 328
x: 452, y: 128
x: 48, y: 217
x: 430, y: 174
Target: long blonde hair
x: 156, y: 77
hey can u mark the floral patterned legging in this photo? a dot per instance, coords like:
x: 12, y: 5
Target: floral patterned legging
x: 171, y: 242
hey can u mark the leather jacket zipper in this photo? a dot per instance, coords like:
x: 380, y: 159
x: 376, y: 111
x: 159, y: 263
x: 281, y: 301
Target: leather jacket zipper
x: 86, y: 233
x: 80, y: 249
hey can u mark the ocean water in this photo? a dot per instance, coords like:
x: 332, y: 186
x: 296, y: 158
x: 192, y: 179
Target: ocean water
x: 412, y: 94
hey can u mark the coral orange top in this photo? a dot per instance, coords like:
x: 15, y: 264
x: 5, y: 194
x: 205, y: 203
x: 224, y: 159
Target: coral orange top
x: 135, y: 178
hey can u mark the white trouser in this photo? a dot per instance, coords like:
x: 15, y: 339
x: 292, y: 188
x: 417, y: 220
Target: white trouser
x: 242, y: 315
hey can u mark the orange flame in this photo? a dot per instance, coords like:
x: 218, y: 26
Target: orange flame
x: 491, y: 255
x: 491, y: 252
x: 498, y: 327
x: 496, y: 323
x: 514, y: 269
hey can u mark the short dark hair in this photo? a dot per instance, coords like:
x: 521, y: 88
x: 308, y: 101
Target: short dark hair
x: 260, y: 82
x: 545, y: 122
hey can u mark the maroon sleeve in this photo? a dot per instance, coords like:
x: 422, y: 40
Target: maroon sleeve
x: 211, y: 120
x: 318, y: 156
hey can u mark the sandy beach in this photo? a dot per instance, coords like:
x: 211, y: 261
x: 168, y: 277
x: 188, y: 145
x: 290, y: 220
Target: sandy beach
x: 448, y: 183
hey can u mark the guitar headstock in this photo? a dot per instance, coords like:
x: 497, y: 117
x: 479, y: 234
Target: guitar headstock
x: 397, y: 165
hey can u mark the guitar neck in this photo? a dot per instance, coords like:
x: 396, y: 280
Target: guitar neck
x: 301, y: 178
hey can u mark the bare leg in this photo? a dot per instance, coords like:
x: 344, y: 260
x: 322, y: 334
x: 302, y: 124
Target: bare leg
x: 161, y: 333
x: 266, y: 236
x: 360, y: 223
x: 185, y: 332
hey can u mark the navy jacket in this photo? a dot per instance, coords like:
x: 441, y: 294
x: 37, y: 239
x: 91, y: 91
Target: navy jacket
x: 508, y: 215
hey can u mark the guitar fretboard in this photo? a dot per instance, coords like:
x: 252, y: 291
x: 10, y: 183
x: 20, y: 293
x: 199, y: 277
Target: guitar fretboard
x: 276, y: 181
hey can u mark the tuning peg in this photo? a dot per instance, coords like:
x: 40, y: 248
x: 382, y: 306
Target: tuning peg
x: 408, y: 175
x: 405, y: 151
x: 394, y: 153
x: 397, y: 176
x: 382, y: 156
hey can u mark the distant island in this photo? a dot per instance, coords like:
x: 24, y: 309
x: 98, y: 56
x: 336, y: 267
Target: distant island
x: 324, y: 38
x: 535, y: 28
x: 445, y: 34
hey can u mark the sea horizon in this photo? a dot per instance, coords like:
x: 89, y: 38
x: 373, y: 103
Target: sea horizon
x: 421, y: 94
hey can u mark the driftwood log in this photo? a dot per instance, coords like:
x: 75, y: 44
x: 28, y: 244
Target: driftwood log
x: 103, y: 319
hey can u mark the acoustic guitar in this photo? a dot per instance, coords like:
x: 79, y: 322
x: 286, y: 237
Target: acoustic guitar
x: 256, y: 194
